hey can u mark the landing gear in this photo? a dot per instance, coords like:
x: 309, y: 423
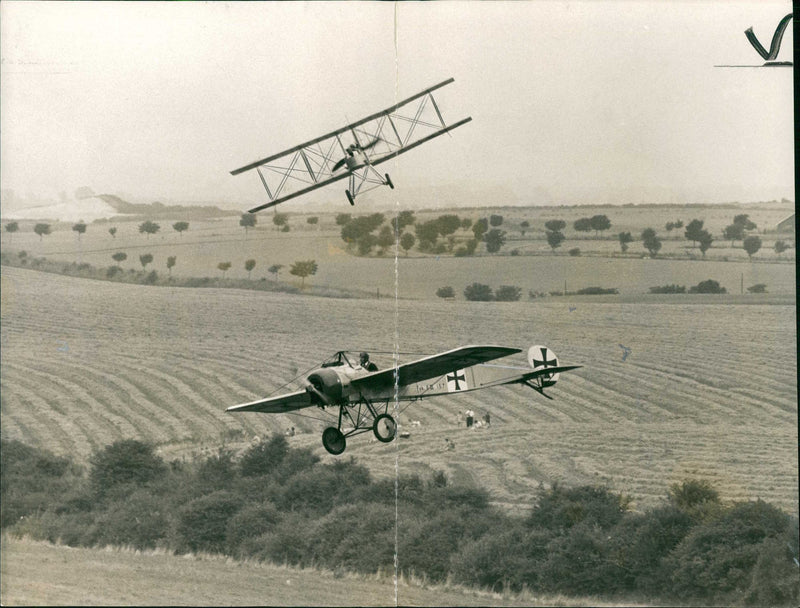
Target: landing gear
x: 385, y: 428
x: 333, y: 440
x: 350, y: 197
x: 389, y: 181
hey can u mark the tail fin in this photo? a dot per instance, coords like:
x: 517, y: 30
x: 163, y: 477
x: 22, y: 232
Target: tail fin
x: 540, y: 358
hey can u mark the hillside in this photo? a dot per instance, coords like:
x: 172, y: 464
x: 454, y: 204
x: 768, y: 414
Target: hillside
x: 708, y: 390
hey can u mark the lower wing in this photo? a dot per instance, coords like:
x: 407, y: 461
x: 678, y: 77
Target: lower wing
x: 276, y: 405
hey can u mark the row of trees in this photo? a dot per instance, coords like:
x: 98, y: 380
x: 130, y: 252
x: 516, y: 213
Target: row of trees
x: 300, y: 269
x: 281, y: 505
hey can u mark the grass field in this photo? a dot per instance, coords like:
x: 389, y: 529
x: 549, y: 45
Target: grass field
x: 119, y: 577
x: 708, y: 390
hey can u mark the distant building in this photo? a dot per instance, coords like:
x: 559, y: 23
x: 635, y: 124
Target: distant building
x: 786, y: 225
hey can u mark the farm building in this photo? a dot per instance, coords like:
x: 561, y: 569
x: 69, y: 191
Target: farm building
x: 786, y: 225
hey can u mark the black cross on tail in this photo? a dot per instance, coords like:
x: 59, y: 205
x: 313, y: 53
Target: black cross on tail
x: 545, y: 361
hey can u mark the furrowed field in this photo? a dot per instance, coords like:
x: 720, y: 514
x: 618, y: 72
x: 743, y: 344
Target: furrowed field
x: 708, y: 389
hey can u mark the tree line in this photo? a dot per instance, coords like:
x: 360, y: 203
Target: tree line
x: 280, y: 504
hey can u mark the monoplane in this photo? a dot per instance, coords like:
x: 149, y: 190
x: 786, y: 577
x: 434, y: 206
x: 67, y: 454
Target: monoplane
x: 353, y: 151
x: 361, y: 398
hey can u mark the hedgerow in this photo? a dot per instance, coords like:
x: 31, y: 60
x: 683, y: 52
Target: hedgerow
x: 280, y: 504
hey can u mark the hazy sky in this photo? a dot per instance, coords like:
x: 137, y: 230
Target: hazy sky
x: 571, y: 101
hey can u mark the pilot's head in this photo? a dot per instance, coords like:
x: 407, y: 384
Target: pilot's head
x: 364, y: 358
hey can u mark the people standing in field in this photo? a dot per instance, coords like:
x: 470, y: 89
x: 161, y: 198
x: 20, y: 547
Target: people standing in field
x: 470, y: 418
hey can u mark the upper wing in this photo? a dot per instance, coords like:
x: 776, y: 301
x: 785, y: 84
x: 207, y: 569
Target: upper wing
x: 434, y: 366
x: 275, y: 405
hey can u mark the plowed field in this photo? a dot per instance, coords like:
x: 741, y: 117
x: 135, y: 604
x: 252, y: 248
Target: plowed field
x: 707, y: 390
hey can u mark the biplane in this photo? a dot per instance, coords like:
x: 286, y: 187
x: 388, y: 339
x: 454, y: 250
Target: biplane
x: 353, y: 151
x: 361, y: 398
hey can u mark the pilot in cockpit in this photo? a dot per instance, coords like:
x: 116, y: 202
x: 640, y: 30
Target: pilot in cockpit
x: 366, y: 363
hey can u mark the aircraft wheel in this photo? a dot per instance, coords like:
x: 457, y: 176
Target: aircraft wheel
x: 389, y: 181
x: 385, y: 428
x: 350, y: 197
x: 333, y: 440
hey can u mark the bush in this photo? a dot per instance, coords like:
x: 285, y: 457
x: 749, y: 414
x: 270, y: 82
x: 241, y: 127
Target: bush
x: 717, y: 559
x: 139, y: 520
x: 561, y: 508
x: 202, y: 524
x: 446, y: 292
x: 252, y: 521
x: 709, y: 286
x: 477, y: 292
x: 508, y: 293
x: 124, y: 462
x: 758, y: 288
x: 575, y: 251
x: 264, y: 457
x: 668, y: 289
x: 597, y: 291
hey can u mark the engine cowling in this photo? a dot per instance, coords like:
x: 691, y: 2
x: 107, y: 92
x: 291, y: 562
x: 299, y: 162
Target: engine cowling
x: 327, y: 387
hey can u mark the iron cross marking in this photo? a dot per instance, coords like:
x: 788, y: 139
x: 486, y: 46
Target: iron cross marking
x: 544, y: 360
x: 455, y: 378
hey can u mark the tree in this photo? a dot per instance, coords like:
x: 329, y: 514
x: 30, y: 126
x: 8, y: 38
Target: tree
x: 708, y: 286
x: 733, y: 232
x: 403, y: 219
x: 427, y: 233
x: 466, y: 223
x: 407, y: 241
x: 11, y: 228
x: 524, y: 225
x: 477, y: 292
x: 599, y: 223
x: 693, y: 231
x: 446, y: 292
x: 180, y: 227
x: 149, y: 228
x: 264, y: 457
x: 624, y: 239
x: 494, y: 240
x: 651, y: 242
x: 80, y: 228
x: 780, y: 247
x: 673, y: 225
x: 313, y: 220
x: 555, y: 225
x: 479, y: 228
x: 448, y: 224
x: 705, y: 241
x: 385, y: 238
x: 113, y: 232
x: 145, y: 259
x: 582, y: 225
x: 343, y: 218
x: 170, y: 263
x: 751, y: 244
x: 366, y: 243
x: 281, y: 220
x: 303, y: 269
x: 507, y: 293
x: 495, y: 220
x: 275, y: 269
x: 42, y: 230
x: 224, y: 267
x: 554, y: 239
x: 743, y: 220
x: 120, y: 256
x: 248, y: 266
x: 248, y: 220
